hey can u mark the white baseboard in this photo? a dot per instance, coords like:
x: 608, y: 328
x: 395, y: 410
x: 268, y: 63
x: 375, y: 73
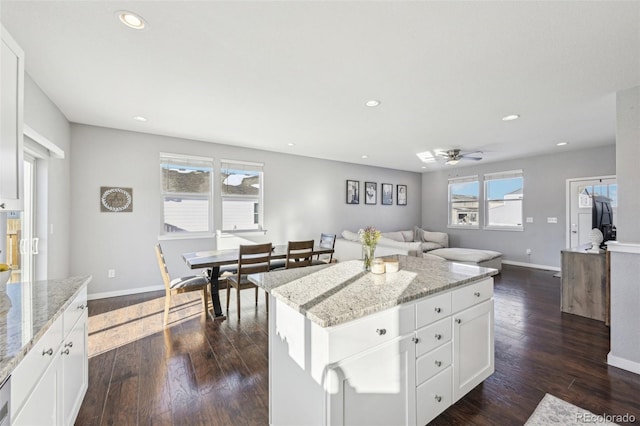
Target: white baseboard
x: 531, y: 265
x: 104, y: 295
x: 623, y: 363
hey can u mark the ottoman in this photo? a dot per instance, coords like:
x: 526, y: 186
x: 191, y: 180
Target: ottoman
x: 485, y: 258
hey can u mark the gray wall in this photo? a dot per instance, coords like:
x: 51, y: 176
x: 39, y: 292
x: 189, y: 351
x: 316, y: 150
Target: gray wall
x: 627, y: 155
x: 544, y: 196
x: 43, y: 116
x: 303, y: 197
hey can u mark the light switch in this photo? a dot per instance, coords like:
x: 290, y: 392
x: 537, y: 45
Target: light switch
x: 529, y: 220
x: 552, y: 220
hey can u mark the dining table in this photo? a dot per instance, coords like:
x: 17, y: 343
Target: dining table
x: 227, y: 259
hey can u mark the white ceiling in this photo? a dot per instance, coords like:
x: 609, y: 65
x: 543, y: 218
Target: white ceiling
x: 264, y: 74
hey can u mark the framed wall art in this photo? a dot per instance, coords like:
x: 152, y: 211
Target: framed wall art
x: 401, y: 195
x: 387, y: 194
x: 353, y: 192
x: 116, y: 199
x: 370, y: 193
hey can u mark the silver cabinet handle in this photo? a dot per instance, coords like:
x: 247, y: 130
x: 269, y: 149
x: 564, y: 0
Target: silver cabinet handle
x: 415, y: 339
x: 476, y: 294
x: 2, y: 206
x: 438, y: 398
x: 458, y: 320
x: 438, y: 336
x: 81, y: 306
x: 68, y: 345
x: 49, y: 352
x: 65, y: 352
x: 438, y: 363
x: 438, y: 310
x: 381, y: 331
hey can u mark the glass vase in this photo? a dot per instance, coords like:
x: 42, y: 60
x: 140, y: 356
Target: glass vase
x: 367, y: 256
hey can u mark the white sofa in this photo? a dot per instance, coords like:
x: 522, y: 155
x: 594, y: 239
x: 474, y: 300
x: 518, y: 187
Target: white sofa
x: 410, y: 242
x: 418, y: 242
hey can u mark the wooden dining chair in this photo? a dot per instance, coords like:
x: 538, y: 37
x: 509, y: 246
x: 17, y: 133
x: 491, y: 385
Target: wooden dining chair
x: 327, y: 241
x: 252, y: 259
x: 180, y: 285
x: 299, y: 254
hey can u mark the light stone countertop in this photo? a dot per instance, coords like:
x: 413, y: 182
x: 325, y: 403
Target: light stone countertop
x: 34, y: 308
x: 337, y: 293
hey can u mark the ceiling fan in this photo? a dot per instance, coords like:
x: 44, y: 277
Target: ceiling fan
x: 453, y: 156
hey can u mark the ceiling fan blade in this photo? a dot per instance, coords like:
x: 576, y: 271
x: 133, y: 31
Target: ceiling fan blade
x: 472, y: 158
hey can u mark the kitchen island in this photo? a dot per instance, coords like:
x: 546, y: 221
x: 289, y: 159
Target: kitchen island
x: 43, y: 348
x: 352, y: 347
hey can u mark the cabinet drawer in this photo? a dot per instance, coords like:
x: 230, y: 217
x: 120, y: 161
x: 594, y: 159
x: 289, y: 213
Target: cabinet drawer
x: 432, y: 363
x: 75, y: 310
x: 433, y: 397
x: 471, y: 295
x: 433, y: 309
x: 364, y: 333
x: 432, y: 336
x: 28, y: 372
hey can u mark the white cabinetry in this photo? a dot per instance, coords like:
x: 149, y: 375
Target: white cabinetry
x: 11, y: 123
x: 50, y: 382
x: 404, y: 365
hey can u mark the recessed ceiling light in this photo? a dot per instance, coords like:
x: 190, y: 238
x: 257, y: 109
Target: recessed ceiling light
x: 510, y: 117
x: 372, y: 103
x: 365, y: 156
x: 140, y: 118
x: 291, y: 144
x: 423, y: 167
x: 131, y: 20
x: 562, y: 143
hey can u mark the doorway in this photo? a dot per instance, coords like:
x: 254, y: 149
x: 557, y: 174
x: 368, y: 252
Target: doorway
x: 580, y: 193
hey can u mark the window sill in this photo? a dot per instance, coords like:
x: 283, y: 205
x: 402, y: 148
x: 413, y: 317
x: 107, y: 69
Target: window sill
x: 463, y: 227
x: 504, y: 228
x: 245, y: 232
x: 168, y: 237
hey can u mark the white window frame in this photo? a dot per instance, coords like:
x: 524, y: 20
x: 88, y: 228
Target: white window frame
x: 208, y: 196
x: 249, y: 166
x: 487, y: 178
x: 450, y: 203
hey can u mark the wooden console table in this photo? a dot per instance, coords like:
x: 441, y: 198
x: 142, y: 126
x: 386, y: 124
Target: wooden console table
x: 584, y: 283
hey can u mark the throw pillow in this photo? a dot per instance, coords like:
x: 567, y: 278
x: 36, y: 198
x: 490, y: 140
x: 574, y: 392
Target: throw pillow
x: 408, y: 236
x: 436, y: 237
x: 392, y: 243
x: 395, y: 236
x: 350, y: 236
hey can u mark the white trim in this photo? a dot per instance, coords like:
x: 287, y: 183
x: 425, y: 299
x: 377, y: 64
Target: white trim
x: 104, y: 295
x: 531, y: 265
x: 567, y: 196
x: 620, y: 247
x: 503, y: 228
x: 623, y: 363
x: 184, y: 236
x: 170, y: 155
x: 248, y: 163
x: 54, y: 150
x: 503, y: 175
x: 463, y: 179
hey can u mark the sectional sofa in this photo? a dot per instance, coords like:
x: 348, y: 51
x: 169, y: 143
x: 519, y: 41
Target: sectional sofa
x: 416, y: 242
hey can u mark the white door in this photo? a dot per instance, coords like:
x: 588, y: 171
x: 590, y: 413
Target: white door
x: 581, y: 191
x: 29, y: 242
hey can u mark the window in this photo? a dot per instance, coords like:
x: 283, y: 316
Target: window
x: 186, y: 194
x: 503, y: 200
x: 464, y: 194
x: 241, y: 192
x: 586, y: 193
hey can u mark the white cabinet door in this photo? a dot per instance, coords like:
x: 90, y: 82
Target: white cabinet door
x: 11, y: 116
x: 376, y: 387
x: 42, y: 406
x: 74, y: 367
x: 473, y: 356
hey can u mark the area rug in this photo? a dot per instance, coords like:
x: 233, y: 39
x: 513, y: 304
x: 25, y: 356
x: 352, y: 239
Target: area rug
x: 554, y: 411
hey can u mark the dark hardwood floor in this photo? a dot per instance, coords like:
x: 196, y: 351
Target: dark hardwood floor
x: 216, y: 373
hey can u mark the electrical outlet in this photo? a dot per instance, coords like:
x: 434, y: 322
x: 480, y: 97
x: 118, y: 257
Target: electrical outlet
x: 552, y: 220
x: 528, y: 251
x: 111, y: 273
x: 529, y: 220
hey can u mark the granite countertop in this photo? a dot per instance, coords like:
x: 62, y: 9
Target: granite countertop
x: 33, y: 308
x: 337, y: 293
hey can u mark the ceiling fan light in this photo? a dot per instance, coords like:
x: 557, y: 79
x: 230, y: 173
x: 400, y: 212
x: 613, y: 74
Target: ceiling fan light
x: 452, y: 162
